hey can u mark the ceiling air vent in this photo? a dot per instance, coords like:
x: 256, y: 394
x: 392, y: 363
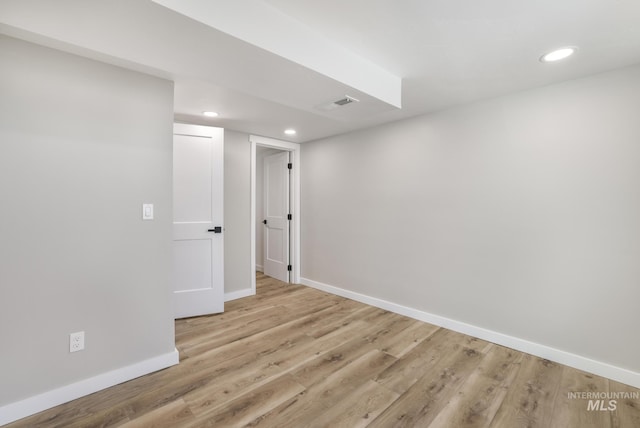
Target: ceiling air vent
x: 346, y: 100
x: 335, y: 104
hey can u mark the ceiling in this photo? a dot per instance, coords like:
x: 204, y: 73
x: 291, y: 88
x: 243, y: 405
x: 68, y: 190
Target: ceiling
x: 267, y: 65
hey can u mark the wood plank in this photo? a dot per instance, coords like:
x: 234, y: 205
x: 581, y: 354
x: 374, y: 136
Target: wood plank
x: 365, y: 339
x: 331, y: 324
x: 478, y: 399
x: 174, y: 414
x: 389, y: 330
x: 357, y: 409
x: 255, y: 370
x: 254, y: 324
x: 409, y: 338
x: 251, y: 405
x: 261, y: 341
x: 306, y: 407
x: 421, y: 403
x: 627, y: 413
x: 401, y: 375
x: 328, y: 363
x: 330, y: 359
x: 572, y: 412
x: 531, y: 396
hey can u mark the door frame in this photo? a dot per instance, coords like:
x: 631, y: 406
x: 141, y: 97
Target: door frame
x: 294, y: 190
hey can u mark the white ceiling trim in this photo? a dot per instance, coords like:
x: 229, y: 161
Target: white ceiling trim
x: 264, y: 26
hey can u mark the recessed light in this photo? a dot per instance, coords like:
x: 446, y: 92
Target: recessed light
x: 210, y: 113
x: 558, y: 54
x: 290, y: 131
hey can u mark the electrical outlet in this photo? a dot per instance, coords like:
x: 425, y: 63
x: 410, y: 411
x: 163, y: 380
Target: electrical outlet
x: 76, y: 341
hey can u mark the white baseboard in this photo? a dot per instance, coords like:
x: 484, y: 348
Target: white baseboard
x: 32, y: 405
x: 238, y: 294
x: 599, y: 368
x: 259, y: 268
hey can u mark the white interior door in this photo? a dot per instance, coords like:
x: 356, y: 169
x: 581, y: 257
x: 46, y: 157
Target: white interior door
x: 198, y: 273
x: 276, y: 210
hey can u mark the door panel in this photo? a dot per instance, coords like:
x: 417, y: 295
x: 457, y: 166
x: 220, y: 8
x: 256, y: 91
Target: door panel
x: 192, y: 264
x: 198, y: 274
x: 274, y: 241
x: 276, y: 209
x: 192, y: 181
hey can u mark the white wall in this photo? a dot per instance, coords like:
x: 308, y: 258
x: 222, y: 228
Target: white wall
x: 519, y: 215
x: 82, y: 146
x: 237, y: 213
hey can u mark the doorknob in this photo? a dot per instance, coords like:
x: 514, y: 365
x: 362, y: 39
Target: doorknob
x: 264, y: 221
x: 217, y: 229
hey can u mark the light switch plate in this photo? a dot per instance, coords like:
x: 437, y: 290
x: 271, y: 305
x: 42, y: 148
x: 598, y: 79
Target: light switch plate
x: 147, y: 211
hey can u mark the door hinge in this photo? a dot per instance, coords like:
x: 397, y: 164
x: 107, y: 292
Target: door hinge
x: 290, y: 165
x: 289, y: 217
x: 289, y: 268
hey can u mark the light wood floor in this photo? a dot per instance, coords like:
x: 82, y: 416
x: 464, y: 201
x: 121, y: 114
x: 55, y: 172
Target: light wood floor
x: 293, y: 357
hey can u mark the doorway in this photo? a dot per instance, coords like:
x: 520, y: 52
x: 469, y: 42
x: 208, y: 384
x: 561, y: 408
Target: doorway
x: 276, y: 151
x: 273, y: 200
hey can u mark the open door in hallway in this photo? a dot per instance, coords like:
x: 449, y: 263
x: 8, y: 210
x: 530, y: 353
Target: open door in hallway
x: 198, y: 272
x: 276, y: 216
